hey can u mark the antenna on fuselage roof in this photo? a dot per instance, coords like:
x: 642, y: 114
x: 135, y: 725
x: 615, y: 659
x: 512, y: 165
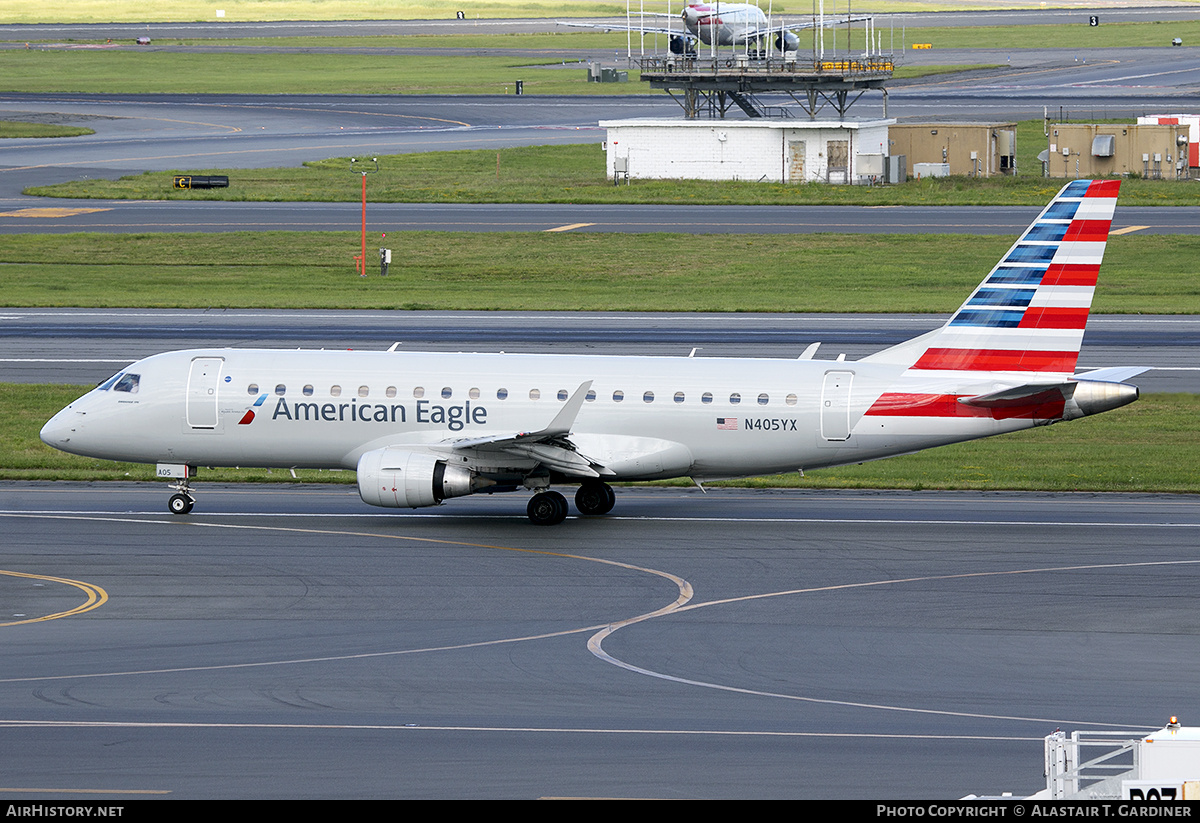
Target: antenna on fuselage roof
x: 394, y: 346
x: 809, y: 352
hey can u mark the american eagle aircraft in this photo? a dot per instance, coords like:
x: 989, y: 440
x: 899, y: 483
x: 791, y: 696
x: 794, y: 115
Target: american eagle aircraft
x: 724, y: 24
x: 422, y: 427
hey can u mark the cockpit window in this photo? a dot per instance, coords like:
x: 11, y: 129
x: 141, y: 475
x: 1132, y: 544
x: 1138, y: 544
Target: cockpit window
x: 108, y: 384
x: 128, y: 383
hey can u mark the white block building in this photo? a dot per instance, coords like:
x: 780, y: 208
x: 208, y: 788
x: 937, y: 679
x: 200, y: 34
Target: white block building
x: 784, y: 151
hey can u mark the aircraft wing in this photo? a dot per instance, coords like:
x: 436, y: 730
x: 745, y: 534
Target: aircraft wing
x: 675, y: 32
x: 550, y: 446
x: 763, y: 31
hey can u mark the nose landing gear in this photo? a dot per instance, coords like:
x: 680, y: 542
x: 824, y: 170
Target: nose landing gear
x: 182, y: 501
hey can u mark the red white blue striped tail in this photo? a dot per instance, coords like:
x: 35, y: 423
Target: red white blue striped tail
x: 1027, y: 316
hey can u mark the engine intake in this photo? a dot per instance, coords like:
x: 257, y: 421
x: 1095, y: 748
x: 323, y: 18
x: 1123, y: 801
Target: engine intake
x: 400, y: 479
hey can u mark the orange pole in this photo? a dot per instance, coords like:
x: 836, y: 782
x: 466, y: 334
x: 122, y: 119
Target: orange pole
x: 364, y: 226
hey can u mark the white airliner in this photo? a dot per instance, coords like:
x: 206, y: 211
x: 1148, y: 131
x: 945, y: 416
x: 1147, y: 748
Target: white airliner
x: 725, y: 24
x: 420, y: 428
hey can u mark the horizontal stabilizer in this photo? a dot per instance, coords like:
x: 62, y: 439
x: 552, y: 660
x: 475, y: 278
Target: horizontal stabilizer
x: 1017, y: 396
x: 1080, y: 398
x: 1113, y: 374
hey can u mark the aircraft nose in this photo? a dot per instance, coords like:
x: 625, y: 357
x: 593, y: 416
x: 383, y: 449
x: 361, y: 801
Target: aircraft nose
x: 60, y: 428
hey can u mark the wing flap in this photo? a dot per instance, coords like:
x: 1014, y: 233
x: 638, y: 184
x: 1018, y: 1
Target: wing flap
x: 551, y: 446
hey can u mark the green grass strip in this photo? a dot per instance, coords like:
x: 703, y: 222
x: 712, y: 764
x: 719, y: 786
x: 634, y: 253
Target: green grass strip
x: 17, y: 128
x: 1150, y: 446
x: 576, y: 174
x: 1156, y: 274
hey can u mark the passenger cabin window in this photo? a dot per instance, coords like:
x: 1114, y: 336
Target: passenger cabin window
x: 678, y: 397
x: 252, y: 389
x: 419, y: 392
x: 335, y: 391
x: 590, y: 396
x: 128, y: 383
x: 281, y: 389
x: 706, y: 397
x: 307, y: 391
x: 734, y: 399
x: 790, y: 400
x: 534, y: 394
x: 363, y: 391
x: 648, y: 397
x: 501, y: 394
x: 618, y: 396
x: 763, y: 399
x: 446, y: 393
x: 562, y: 394
x: 391, y: 391
x: 473, y: 393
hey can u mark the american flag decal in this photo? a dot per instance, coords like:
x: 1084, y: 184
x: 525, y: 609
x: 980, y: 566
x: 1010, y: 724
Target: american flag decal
x: 728, y: 424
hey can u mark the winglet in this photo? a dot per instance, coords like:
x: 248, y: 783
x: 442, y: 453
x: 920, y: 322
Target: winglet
x: 561, y: 425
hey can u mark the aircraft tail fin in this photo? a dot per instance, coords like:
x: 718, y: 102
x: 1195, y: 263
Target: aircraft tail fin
x: 1028, y: 315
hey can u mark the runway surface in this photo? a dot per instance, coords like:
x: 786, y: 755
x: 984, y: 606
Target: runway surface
x: 288, y: 642
x: 84, y: 346
x: 62, y: 216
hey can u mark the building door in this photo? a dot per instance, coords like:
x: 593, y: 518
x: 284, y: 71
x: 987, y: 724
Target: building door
x: 837, y: 153
x: 797, y: 149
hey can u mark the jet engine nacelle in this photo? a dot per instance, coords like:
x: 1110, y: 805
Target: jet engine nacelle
x: 787, y: 42
x: 409, y: 480
x: 682, y: 45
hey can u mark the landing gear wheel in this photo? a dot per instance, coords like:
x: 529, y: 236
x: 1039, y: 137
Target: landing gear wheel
x: 547, y: 509
x: 595, y: 498
x: 181, y: 503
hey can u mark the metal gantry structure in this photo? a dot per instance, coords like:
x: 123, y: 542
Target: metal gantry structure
x: 708, y: 79
x: 714, y: 86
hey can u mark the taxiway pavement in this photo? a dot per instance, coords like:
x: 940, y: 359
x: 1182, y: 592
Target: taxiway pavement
x: 84, y: 346
x: 287, y: 641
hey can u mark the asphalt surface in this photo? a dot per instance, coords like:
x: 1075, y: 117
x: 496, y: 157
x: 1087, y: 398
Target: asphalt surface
x: 286, y: 642
x: 85, y: 346
x: 63, y: 216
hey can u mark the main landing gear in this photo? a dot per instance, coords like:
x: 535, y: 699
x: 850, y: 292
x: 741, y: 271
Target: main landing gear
x: 549, y: 508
